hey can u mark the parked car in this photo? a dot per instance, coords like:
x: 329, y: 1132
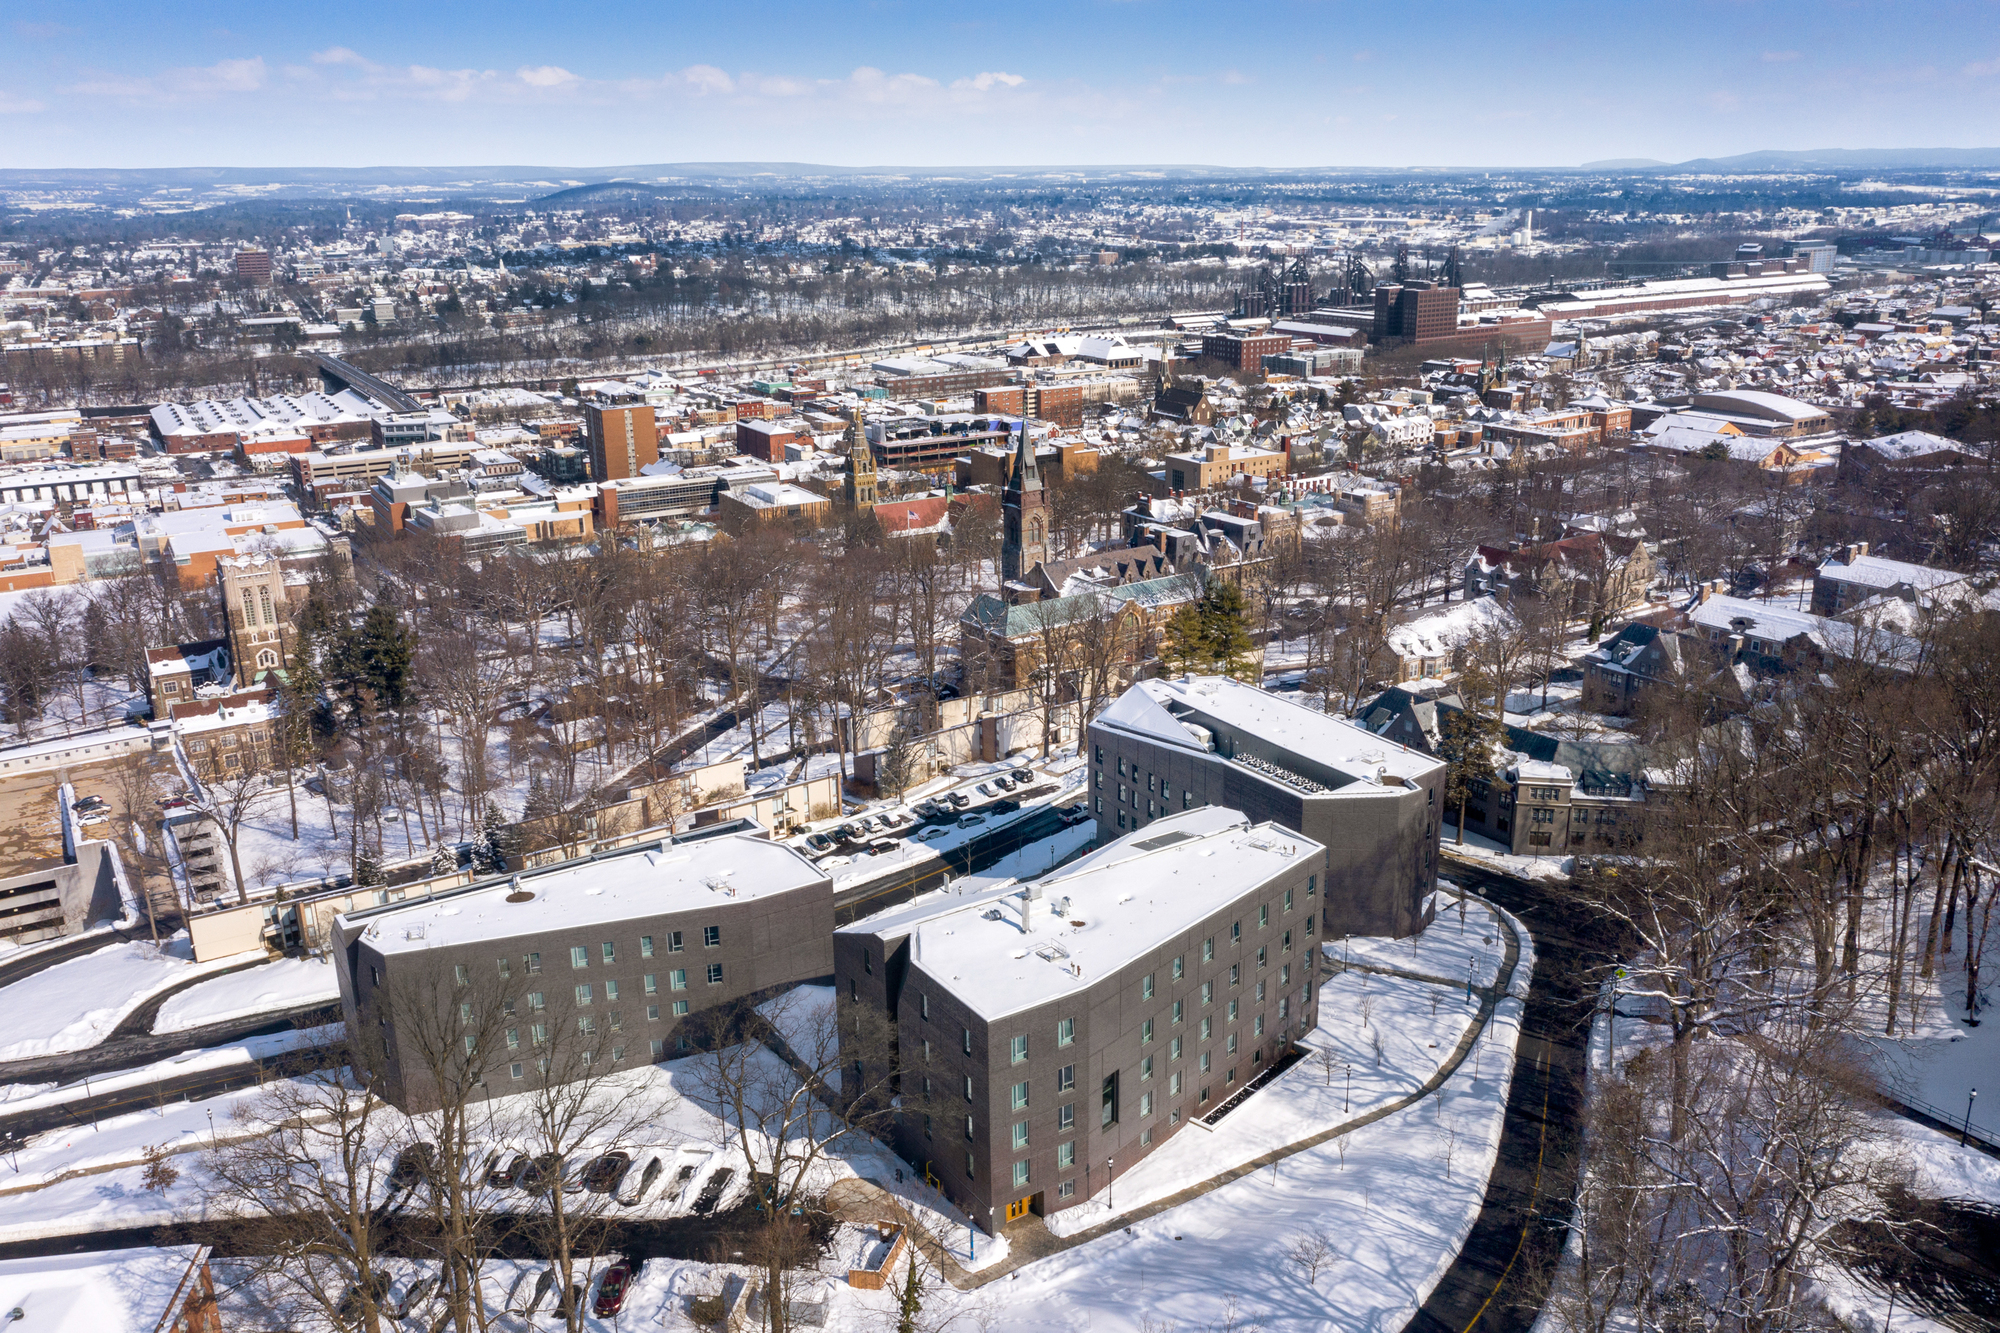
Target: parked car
x: 1007, y: 807
x: 959, y: 800
x: 603, y: 1175
x: 836, y: 862
x: 819, y: 842
x: 1024, y: 774
x: 89, y: 803
x: 925, y: 809
x: 947, y: 691
x: 649, y: 1177
x: 847, y: 832
x: 984, y: 789
x: 413, y: 1163
x: 90, y: 817
x: 376, y: 1285
x: 971, y: 821
x: 931, y: 834
x: 506, y: 1172
x: 883, y: 846
x: 611, y: 1289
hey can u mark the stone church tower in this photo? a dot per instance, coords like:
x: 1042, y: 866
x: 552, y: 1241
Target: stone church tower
x: 860, y: 485
x: 260, y: 622
x: 1025, y: 539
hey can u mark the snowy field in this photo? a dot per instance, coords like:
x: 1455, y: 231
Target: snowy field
x: 75, y: 1005
x: 1443, y: 951
x: 263, y: 989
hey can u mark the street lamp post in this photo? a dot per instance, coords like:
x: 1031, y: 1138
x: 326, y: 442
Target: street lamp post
x: 1966, y: 1128
x: 1110, y: 1178
x: 1347, y: 1100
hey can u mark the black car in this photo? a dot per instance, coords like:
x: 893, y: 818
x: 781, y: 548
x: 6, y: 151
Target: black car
x: 506, y: 1172
x: 603, y: 1175
x: 413, y: 1163
x: 711, y: 1191
x: 1003, y: 807
x: 819, y: 842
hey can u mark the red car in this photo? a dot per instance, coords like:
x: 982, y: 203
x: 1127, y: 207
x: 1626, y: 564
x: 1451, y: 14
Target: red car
x: 611, y: 1290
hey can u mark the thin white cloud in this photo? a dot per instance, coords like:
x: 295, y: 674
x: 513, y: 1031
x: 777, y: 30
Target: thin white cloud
x: 184, y: 84
x: 1778, y: 57
x: 545, y: 76
x: 19, y: 106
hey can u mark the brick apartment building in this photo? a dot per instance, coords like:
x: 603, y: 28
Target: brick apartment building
x: 623, y: 438
x: 1244, y: 351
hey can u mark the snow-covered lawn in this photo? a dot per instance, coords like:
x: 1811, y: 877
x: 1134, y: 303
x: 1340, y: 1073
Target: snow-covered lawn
x: 262, y: 989
x: 1479, y: 847
x: 1441, y: 951
x: 75, y: 1005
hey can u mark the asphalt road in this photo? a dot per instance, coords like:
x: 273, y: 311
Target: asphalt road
x: 127, y: 1053
x: 1497, y: 1283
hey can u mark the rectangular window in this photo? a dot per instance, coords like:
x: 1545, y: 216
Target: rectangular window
x: 1180, y: 966
x: 610, y: 952
x: 1145, y: 1104
x: 471, y: 1044
x: 579, y: 956
x: 968, y: 1087
x: 645, y: 946
x: 1146, y: 1032
x: 533, y: 963
x: 1232, y: 1011
x: 1020, y: 1174
x: 658, y: 1047
x: 1066, y: 1115
x: 1232, y: 1043
x: 515, y: 1069
x: 966, y: 1034
x: 1207, y: 993
x: 968, y: 1127
x: 1065, y: 1031
x: 1235, y: 932
x: 1285, y: 942
x: 923, y: 1007
x: 611, y: 991
x: 1020, y: 1135
x: 1066, y: 1155
x: 1066, y: 1190
x: 715, y: 974
x: 1288, y: 900
x: 1020, y: 1096
x: 538, y: 1033
x: 1174, y: 1049
x: 464, y: 1013
x: 617, y: 1052
x: 1174, y: 1084
x: 513, y: 1039
x: 1065, y: 1078
x: 1312, y: 884
x: 1236, y: 974
x: 507, y: 1007
x: 680, y: 1008
x: 1263, y: 917
x: 971, y: 1167
x: 711, y: 936
x: 1145, y: 1068
x: 652, y: 1013
x: 1204, y: 1066
x: 1017, y: 1050
x: 1285, y: 975
x: 583, y: 994
x: 534, y: 999
x: 673, y: 941
x: 1146, y: 987
x: 616, y: 1025
x: 651, y: 982
x: 1178, y: 1012
x: 462, y: 974
x: 1257, y: 1030
x: 678, y: 978
x: 867, y: 963
x: 506, y: 968
x: 586, y: 1025
x: 1107, y: 1108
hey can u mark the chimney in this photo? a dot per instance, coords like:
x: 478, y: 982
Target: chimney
x: 1033, y: 907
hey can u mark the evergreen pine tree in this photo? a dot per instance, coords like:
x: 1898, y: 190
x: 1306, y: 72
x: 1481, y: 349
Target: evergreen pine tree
x: 367, y: 869
x: 493, y: 837
x: 444, y: 858
x: 911, y: 1303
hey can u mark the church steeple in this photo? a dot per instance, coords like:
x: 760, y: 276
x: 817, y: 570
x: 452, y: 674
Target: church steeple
x: 1025, y: 542
x: 860, y: 483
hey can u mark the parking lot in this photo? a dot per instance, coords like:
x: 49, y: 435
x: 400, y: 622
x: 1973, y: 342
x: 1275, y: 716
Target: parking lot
x: 968, y: 805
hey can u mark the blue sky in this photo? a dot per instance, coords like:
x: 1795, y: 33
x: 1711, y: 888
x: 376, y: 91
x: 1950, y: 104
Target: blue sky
x: 89, y: 83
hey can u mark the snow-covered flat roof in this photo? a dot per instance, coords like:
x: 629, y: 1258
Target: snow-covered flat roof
x: 100, y: 1290
x: 1872, y: 571
x: 646, y: 881
x: 1155, y: 709
x: 1131, y: 897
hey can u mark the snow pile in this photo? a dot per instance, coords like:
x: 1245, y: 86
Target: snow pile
x: 74, y: 1005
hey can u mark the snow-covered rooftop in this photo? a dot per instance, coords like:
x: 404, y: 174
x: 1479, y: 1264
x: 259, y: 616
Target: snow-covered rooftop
x: 1161, y: 711
x: 1130, y: 897
x: 644, y: 881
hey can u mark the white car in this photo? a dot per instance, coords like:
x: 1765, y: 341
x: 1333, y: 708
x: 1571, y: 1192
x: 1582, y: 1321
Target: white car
x: 971, y: 821
x: 931, y: 834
